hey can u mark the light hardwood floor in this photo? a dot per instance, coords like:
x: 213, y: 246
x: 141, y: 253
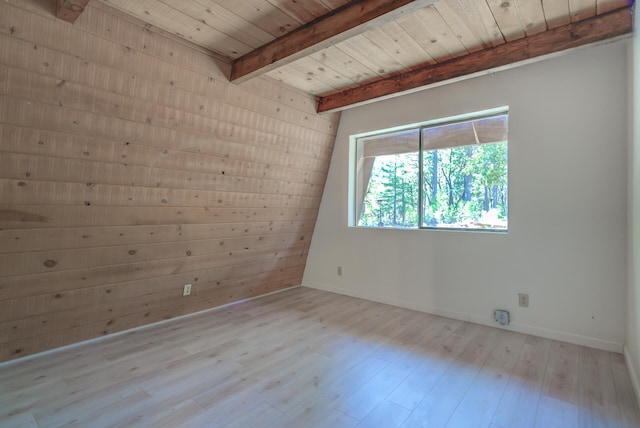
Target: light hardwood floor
x: 307, y: 358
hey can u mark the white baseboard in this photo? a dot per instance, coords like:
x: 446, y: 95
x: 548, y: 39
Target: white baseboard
x: 131, y: 330
x: 633, y: 374
x: 592, y: 342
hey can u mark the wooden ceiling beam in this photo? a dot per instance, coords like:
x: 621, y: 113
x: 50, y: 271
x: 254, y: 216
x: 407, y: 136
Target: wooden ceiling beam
x: 347, y: 21
x: 598, y: 28
x: 70, y: 10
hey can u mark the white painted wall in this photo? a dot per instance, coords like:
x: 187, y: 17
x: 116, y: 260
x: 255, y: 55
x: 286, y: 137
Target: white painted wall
x: 566, y: 245
x: 632, y: 349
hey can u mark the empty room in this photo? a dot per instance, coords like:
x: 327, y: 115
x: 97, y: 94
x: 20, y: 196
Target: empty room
x: 319, y: 213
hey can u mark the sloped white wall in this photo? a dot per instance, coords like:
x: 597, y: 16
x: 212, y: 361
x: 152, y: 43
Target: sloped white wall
x: 566, y: 245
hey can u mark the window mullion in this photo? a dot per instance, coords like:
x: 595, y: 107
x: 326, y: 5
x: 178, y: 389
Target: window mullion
x: 420, y: 180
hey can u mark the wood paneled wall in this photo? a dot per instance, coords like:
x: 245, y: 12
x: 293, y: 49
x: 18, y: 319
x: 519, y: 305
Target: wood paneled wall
x: 130, y: 166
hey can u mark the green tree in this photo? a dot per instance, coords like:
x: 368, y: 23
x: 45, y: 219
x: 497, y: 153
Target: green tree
x: 461, y: 186
x: 392, y: 196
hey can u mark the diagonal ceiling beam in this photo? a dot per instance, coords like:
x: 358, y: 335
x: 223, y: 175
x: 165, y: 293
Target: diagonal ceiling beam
x: 70, y: 10
x: 347, y: 21
x: 598, y: 28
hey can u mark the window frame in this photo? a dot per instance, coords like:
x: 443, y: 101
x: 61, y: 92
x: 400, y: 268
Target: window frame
x: 420, y: 127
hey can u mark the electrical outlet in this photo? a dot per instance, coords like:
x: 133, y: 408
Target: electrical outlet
x: 502, y: 316
x: 186, y: 290
x: 523, y: 300
x: 339, y: 270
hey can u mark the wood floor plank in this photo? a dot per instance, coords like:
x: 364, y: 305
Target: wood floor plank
x: 103, y: 415
x: 309, y: 386
x: 372, y: 393
x: 133, y: 369
x: 308, y: 358
x: 598, y: 401
x: 559, y: 403
x: 627, y: 400
x: 31, y: 373
x: 519, y: 401
x: 440, y: 403
x: 318, y: 405
x: 168, y: 413
x: 386, y: 414
x: 440, y: 354
x: 255, y: 416
x: 23, y: 420
x: 335, y: 419
x: 479, y: 404
x: 26, y: 400
x: 556, y: 413
x: 82, y: 403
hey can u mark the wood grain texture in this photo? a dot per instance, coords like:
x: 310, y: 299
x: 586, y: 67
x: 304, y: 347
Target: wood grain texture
x: 349, y: 20
x: 601, y: 27
x: 70, y: 10
x: 431, y: 34
x: 130, y: 166
x: 308, y: 358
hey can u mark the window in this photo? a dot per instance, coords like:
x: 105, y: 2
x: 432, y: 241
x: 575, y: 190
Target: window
x: 450, y: 174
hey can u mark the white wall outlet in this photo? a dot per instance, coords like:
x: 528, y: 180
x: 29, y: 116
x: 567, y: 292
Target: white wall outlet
x: 186, y: 290
x: 523, y: 300
x: 339, y: 270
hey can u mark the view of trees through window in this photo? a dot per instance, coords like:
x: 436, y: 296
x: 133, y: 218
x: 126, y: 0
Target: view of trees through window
x: 464, y: 177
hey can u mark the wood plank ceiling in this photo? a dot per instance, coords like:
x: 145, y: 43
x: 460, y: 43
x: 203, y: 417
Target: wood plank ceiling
x: 428, y: 36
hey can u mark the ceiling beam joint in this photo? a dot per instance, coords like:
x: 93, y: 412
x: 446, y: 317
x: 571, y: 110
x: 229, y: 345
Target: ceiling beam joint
x: 596, y: 29
x: 70, y: 10
x: 340, y: 24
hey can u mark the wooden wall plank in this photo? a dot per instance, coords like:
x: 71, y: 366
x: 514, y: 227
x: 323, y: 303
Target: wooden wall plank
x: 127, y: 31
x: 129, y: 166
x: 28, y: 240
x: 30, y: 345
x: 25, y: 307
x: 38, y: 216
x: 133, y: 64
x: 153, y: 272
x: 201, y: 155
x: 140, y: 37
x: 53, y: 261
x: 31, y: 192
x: 112, y: 310
x: 61, y: 91
x: 17, y: 166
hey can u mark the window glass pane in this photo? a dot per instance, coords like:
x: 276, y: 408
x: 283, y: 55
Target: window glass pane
x: 453, y: 175
x: 466, y: 187
x: 387, y: 180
